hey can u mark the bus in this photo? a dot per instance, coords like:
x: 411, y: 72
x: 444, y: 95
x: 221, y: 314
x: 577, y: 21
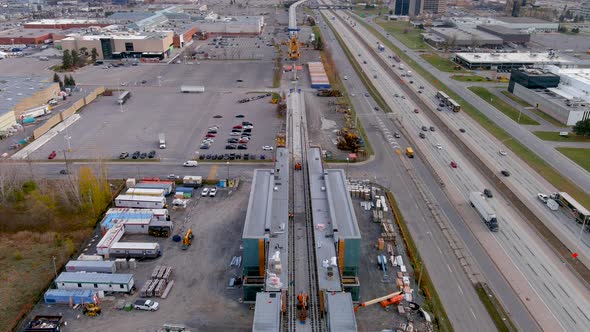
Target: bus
x: 442, y: 96
x: 453, y: 105
x: 123, y: 97
x: 580, y: 213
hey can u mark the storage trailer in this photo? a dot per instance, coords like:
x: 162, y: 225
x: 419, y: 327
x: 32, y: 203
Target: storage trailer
x: 143, y: 202
x: 145, y: 192
x: 70, y: 296
x: 135, y: 250
x: 117, y: 282
x: 91, y: 266
x: 478, y: 201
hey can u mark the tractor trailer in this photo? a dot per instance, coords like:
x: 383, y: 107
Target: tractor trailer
x: 478, y: 201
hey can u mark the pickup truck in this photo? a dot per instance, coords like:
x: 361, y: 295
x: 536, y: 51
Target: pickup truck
x: 146, y: 305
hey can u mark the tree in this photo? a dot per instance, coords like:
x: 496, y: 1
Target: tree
x: 582, y: 128
x: 75, y: 58
x: 562, y: 29
x: 66, y: 60
x: 84, y: 51
x: 319, y: 44
x: 56, y: 79
x: 94, y: 54
x: 72, y: 82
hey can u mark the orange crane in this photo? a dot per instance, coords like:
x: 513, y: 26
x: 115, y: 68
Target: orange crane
x: 294, y: 48
x: 385, y: 301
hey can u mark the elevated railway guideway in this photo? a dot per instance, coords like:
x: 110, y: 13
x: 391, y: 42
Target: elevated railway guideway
x: 562, y: 301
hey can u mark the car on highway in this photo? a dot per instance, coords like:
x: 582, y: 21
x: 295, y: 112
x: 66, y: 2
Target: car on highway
x: 424, y: 128
x: 419, y: 91
x: 432, y: 128
x: 205, y: 192
x: 212, y: 192
x: 190, y: 163
x: 124, y: 155
x: 438, y: 146
x: 543, y: 198
x: 345, y: 77
x: 502, y: 153
x: 439, y: 109
x: 462, y: 130
x: 152, y: 154
x: 365, y: 62
x: 422, y: 135
x: 453, y: 164
x: 248, y: 127
x: 396, y: 95
x: 505, y: 172
x: 238, y: 126
x: 173, y: 177
x: 63, y: 172
x: 210, y: 135
x: 396, y: 135
x: 416, y: 110
x: 403, y: 97
x: 488, y: 193
x: 376, y: 108
x: 375, y: 76
x: 366, y: 94
x: 52, y: 155
x: 267, y: 148
x: 421, y: 87
x: 240, y: 116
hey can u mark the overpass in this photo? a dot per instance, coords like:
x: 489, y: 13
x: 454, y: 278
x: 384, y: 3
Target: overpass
x: 293, y: 17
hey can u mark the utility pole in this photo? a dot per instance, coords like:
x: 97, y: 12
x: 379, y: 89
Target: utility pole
x: 66, y: 161
x: 54, y: 267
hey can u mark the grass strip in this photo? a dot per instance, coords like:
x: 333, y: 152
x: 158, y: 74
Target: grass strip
x: 405, y: 33
x: 444, y: 64
x: 495, y: 309
x: 516, y: 99
x: 432, y: 298
x: 475, y: 78
x: 555, y: 137
x: 580, y: 156
x: 502, y: 106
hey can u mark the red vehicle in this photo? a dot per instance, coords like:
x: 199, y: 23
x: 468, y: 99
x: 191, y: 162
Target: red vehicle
x: 237, y: 127
x: 416, y: 110
x: 453, y: 164
x: 52, y: 155
x: 210, y: 135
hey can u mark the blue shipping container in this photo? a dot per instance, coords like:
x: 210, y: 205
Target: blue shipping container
x: 63, y: 296
x: 184, y: 189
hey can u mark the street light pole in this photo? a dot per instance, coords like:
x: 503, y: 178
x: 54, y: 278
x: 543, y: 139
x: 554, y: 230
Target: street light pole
x: 347, y: 160
x: 227, y: 163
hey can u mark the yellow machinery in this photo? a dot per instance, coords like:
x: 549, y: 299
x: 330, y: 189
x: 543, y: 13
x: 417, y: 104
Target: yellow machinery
x: 348, y: 140
x: 281, y: 140
x: 385, y: 301
x: 91, y: 309
x: 302, y: 306
x: 188, y: 239
x: 293, y: 48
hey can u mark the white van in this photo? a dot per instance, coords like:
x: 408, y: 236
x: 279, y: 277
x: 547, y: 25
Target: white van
x: 190, y: 163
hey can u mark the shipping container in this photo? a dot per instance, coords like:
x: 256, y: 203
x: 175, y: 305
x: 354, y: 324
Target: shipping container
x: 167, y: 186
x: 136, y: 226
x: 91, y: 266
x: 135, y: 250
x: 118, y: 282
x: 146, y: 192
x: 144, y: 202
x: 65, y: 296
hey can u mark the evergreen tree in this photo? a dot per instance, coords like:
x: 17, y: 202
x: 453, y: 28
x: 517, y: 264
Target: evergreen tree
x: 66, y: 60
x: 56, y: 79
x: 94, y: 54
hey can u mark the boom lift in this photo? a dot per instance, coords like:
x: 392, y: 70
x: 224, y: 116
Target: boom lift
x: 385, y: 301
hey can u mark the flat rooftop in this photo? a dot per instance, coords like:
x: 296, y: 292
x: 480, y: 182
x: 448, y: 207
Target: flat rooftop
x: 63, y: 21
x: 510, y: 19
x: 341, y: 316
x: 24, y: 33
x: 467, y: 34
x: 267, y: 312
x: 118, y: 278
x: 268, y: 212
x: 13, y: 89
x: 524, y: 58
x: 502, y: 29
x: 149, y: 35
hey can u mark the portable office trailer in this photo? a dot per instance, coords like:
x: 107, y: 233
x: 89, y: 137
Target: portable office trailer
x: 167, y: 186
x: 111, y: 237
x: 146, y: 192
x: 73, y: 296
x: 91, y: 266
x: 192, y: 181
x: 136, y: 226
x: 120, y: 283
x: 143, y: 202
x: 135, y: 250
x: 130, y: 213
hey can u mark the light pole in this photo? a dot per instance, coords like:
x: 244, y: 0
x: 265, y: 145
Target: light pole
x: 347, y: 161
x: 227, y: 163
x: 54, y: 267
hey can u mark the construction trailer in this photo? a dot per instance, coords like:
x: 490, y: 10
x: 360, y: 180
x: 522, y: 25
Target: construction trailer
x: 168, y: 186
x: 145, y: 192
x: 116, y: 283
x: 70, y: 296
x: 91, y: 266
x: 111, y: 237
x: 192, y: 88
x: 142, y: 202
x: 135, y: 250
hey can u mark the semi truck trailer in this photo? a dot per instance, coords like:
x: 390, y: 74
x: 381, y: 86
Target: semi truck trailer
x: 478, y: 201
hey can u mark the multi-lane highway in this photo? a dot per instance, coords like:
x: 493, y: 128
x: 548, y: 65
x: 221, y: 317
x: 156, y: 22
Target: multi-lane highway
x: 531, y: 258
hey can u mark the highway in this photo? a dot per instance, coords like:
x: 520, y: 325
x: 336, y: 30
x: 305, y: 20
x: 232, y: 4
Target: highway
x: 452, y: 284
x: 564, y: 165
x: 530, y: 256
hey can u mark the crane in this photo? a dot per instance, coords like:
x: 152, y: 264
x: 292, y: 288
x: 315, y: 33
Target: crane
x: 385, y: 301
x: 302, y: 298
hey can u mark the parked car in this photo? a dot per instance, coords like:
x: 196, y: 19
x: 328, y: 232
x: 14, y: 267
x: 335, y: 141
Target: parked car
x: 143, y: 155
x: 152, y: 154
x: 173, y: 176
x: 247, y: 123
x: 232, y: 140
x: 124, y: 155
x: 416, y: 110
x: 237, y: 127
x: 396, y: 135
x: 212, y: 192
x: 205, y: 192
x: 63, y: 171
x: 204, y: 146
x: 453, y: 164
x: 242, y: 147
x: 462, y: 130
x: 422, y: 135
x: 235, y: 133
x: 424, y: 128
x: 210, y: 135
x: 240, y: 116
x: 488, y: 193
x: 230, y: 147
x: 135, y: 154
x: 267, y: 148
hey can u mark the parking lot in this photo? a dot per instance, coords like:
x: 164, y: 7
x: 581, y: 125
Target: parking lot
x: 27, y: 66
x: 106, y: 129
x: 200, y: 298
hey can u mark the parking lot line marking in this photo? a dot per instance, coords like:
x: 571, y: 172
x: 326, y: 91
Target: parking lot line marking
x: 212, y: 172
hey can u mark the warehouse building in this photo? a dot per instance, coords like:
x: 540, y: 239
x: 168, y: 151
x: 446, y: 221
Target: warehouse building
x: 116, y: 46
x: 27, y: 36
x: 558, y: 92
x: 19, y: 94
x: 529, y: 24
x: 508, y: 35
x: 64, y: 24
x: 508, y: 61
x: 461, y: 37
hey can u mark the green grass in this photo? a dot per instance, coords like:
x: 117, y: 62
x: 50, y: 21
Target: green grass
x: 532, y: 159
x: 554, y: 136
x: 516, y: 99
x: 502, y: 106
x: 499, y: 316
x: 362, y: 12
x: 442, y: 64
x: 474, y: 78
x: 412, y: 37
x: 581, y: 157
x: 431, y: 296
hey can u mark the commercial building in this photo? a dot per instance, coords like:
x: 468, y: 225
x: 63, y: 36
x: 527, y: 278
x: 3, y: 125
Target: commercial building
x: 230, y: 25
x: 410, y: 8
x: 19, y: 94
x: 461, y: 37
x: 558, y: 92
x: 64, y: 24
x: 27, y: 36
x: 434, y: 6
x: 585, y: 9
x: 507, y: 61
x: 505, y: 33
x: 116, y: 46
x: 529, y: 24
x: 267, y: 313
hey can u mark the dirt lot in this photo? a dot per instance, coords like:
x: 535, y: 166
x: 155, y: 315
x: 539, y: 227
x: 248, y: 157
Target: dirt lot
x: 199, y: 299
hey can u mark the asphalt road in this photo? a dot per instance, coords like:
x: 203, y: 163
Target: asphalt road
x: 466, y: 179
x: 564, y: 165
x: 454, y: 287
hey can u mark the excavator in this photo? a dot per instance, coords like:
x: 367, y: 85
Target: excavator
x: 385, y: 301
x: 188, y: 239
x: 302, y: 306
x: 91, y: 310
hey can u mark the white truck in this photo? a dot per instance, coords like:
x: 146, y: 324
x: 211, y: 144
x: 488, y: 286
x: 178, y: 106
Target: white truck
x: 148, y: 305
x: 192, y: 88
x: 478, y: 201
x: 162, y: 140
